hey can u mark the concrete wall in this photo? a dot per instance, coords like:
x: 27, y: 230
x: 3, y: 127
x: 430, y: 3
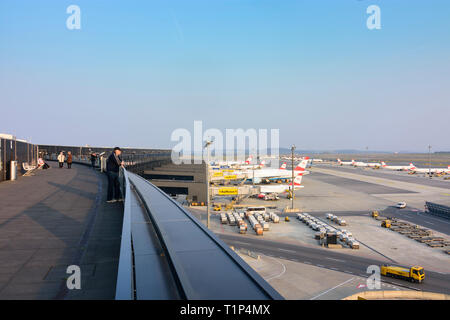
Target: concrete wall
x: 196, y: 187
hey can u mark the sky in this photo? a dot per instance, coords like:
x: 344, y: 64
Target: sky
x: 138, y: 70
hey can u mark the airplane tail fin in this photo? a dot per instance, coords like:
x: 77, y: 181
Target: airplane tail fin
x: 302, y: 165
x: 263, y: 163
x: 249, y: 160
x: 383, y: 164
x: 411, y: 166
x: 339, y: 161
x: 283, y: 166
x: 297, y: 181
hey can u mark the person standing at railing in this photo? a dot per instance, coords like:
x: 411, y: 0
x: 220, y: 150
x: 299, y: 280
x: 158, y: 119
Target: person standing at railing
x: 69, y: 160
x: 93, y: 159
x: 61, y: 158
x: 113, y: 164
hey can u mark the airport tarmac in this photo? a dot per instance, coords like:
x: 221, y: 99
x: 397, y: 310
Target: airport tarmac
x: 300, y: 281
x: 353, y: 195
x: 390, y: 174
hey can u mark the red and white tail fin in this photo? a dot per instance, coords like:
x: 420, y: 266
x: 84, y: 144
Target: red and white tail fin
x: 302, y: 165
x: 411, y: 166
x: 262, y: 164
x: 383, y: 164
x: 353, y: 161
x: 448, y: 167
x: 297, y: 181
x: 339, y: 161
x: 283, y: 166
x: 249, y: 160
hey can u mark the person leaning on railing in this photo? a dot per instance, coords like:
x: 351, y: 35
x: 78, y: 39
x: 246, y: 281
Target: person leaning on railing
x: 113, y: 164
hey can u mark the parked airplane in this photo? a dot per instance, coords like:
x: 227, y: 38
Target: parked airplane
x: 429, y: 170
x: 398, y: 168
x: 345, y: 163
x: 253, y: 166
x: 274, y: 174
x: 233, y: 163
x: 359, y: 164
x: 366, y: 164
x: 280, y: 188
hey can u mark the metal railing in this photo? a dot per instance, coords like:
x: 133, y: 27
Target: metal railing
x: 125, y: 274
x: 438, y: 209
x: 201, y: 266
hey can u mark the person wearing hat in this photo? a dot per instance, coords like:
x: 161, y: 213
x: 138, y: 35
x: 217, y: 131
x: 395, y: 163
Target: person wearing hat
x: 113, y: 164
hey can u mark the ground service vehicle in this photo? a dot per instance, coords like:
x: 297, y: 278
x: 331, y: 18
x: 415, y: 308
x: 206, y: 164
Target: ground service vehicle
x: 386, y: 223
x: 401, y: 205
x: 271, y: 196
x: 374, y: 214
x: 413, y: 274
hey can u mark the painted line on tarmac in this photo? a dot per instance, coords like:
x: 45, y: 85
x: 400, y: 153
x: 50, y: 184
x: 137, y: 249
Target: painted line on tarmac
x: 428, y: 216
x: 280, y: 274
x: 246, y: 243
x: 286, y: 250
x: 341, y: 284
x: 402, y: 285
x: 334, y: 259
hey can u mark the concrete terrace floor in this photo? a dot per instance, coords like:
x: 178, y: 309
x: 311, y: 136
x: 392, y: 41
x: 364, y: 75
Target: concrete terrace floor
x: 54, y: 219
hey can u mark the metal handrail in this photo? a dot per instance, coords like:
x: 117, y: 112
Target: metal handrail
x: 257, y: 288
x: 125, y: 273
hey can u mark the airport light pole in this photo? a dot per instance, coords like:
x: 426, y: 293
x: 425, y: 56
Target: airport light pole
x: 207, y: 144
x: 429, y: 161
x: 367, y: 154
x: 292, y: 183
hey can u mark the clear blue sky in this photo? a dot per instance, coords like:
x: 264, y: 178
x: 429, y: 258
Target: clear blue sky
x: 137, y: 70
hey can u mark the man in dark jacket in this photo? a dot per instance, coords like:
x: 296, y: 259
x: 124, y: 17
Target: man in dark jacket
x: 113, y: 164
x: 93, y: 159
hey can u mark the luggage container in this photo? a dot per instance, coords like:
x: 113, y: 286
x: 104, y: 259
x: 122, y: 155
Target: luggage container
x: 223, y: 218
x: 354, y: 244
x: 331, y: 238
x: 274, y: 217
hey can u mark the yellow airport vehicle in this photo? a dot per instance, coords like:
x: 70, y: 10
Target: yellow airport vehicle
x: 386, y: 223
x: 287, y: 219
x: 217, y: 207
x: 413, y: 274
x: 374, y: 214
